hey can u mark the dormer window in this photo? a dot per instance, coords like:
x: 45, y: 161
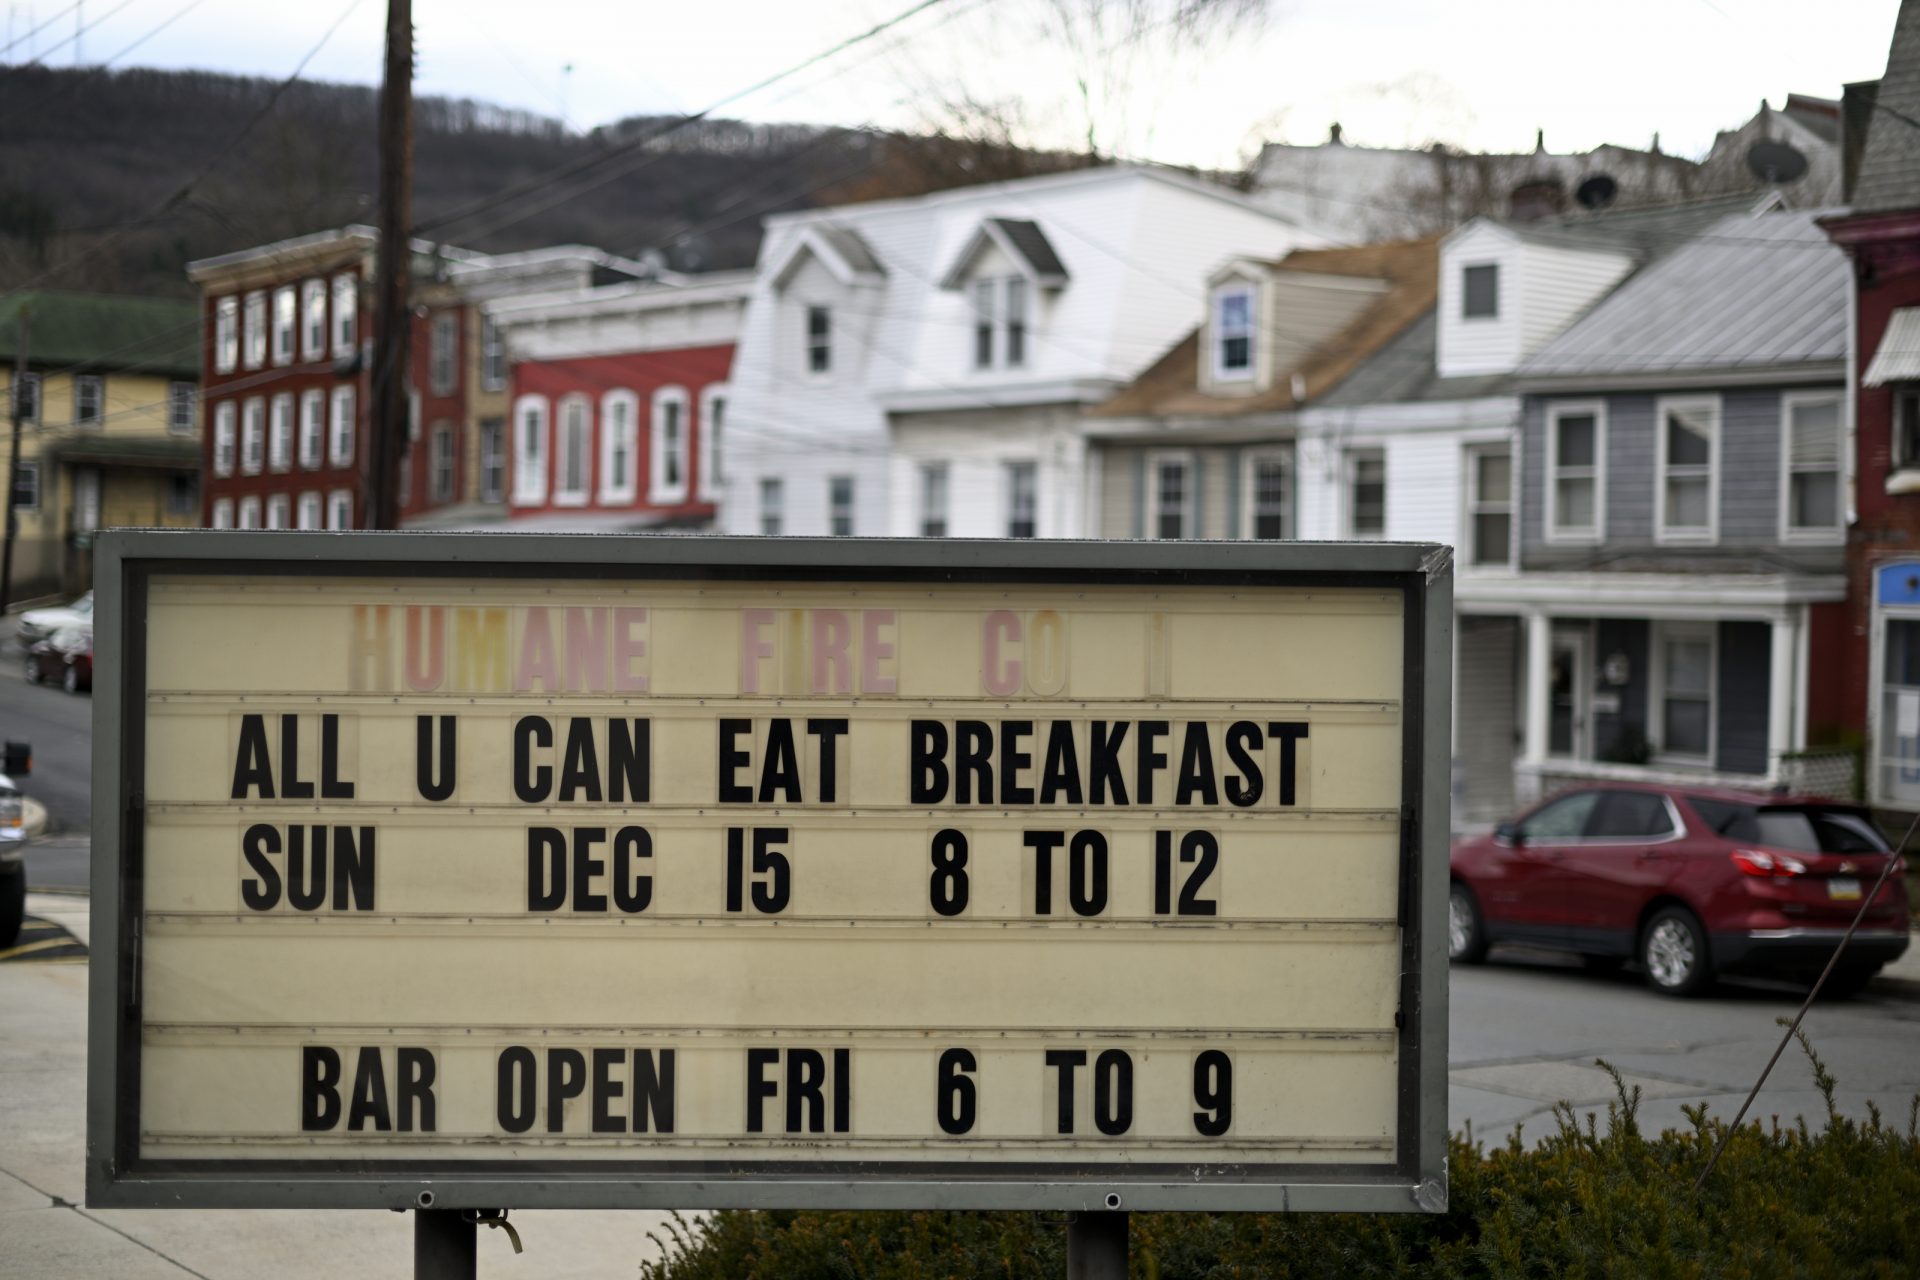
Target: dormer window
x: 819, y: 341
x: 1233, y: 332
x: 1000, y: 323
x: 1480, y: 291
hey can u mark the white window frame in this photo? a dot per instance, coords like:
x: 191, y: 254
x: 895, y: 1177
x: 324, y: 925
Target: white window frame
x: 1349, y: 472
x: 1790, y: 532
x: 1550, y: 530
x: 772, y: 516
x: 619, y: 432
x: 280, y: 433
x: 253, y: 435
x: 1250, y: 489
x: 443, y: 352
x: 279, y: 511
x: 226, y: 437
x: 97, y: 384
x: 226, y: 334
x: 1009, y: 469
x: 221, y: 515
x: 284, y: 320
x: 529, y: 449
x: 1660, y: 631
x: 808, y: 345
x: 343, y: 427
x: 340, y: 509
x: 344, y: 323
x: 313, y: 319
x: 253, y: 330
x: 936, y: 482
x: 442, y: 464
x: 180, y: 406
x: 983, y: 297
x: 1664, y: 535
x: 712, y: 431
x: 308, y: 514
x: 493, y: 356
x: 660, y: 450
x: 31, y: 386
x: 1470, y: 456
x: 312, y: 429
x: 1486, y: 317
x: 493, y: 459
x: 834, y: 512
x: 1217, y: 335
x: 1155, y: 460
x: 564, y: 422
x: 249, y: 512
x: 30, y: 469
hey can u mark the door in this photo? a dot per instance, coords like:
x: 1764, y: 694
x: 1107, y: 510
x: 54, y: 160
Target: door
x: 1628, y: 856
x: 1569, y: 696
x: 1528, y: 895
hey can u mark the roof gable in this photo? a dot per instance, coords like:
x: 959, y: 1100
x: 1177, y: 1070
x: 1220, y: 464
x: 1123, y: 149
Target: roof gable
x: 1022, y: 240
x: 842, y: 251
x: 1890, y: 164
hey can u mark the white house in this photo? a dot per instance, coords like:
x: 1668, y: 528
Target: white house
x: 920, y: 366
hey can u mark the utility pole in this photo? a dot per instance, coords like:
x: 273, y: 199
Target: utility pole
x: 17, y: 414
x: 393, y: 311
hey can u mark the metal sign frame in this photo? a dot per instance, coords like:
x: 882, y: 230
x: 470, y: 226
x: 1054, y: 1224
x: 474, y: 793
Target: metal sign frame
x: 117, y: 1177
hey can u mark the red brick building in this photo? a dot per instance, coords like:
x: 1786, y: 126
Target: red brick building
x: 619, y: 398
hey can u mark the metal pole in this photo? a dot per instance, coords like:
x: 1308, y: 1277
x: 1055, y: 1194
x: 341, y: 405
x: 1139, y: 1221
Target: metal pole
x: 393, y: 312
x: 443, y: 1245
x: 18, y: 417
x: 1097, y: 1246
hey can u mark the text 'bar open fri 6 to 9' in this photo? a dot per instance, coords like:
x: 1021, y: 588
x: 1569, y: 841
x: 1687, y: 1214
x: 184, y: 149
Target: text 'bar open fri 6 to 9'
x: 695, y: 872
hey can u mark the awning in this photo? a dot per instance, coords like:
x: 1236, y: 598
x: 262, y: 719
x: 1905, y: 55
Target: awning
x: 1898, y: 359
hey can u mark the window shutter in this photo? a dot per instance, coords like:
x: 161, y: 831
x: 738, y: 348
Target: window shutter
x: 1199, y: 504
x: 1139, y: 495
x: 1235, y: 460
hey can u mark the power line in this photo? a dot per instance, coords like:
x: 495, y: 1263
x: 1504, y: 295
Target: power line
x: 73, y: 82
x: 11, y: 45
x: 40, y: 58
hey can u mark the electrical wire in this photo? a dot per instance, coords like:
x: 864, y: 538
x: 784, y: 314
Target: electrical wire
x: 11, y: 45
x: 71, y: 83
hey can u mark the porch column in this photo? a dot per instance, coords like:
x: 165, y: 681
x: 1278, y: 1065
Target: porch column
x: 1782, y: 684
x: 1539, y: 687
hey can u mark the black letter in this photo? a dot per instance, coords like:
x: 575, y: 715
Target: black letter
x: 251, y: 766
x: 1243, y: 739
x: 1043, y: 843
x: 759, y: 1088
x: 630, y: 760
x: 530, y: 784
x: 513, y: 1102
x: 1013, y: 760
x: 828, y: 731
x: 416, y: 1089
x: 782, y: 766
x: 732, y: 792
x: 262, y: 894
x: 319, y: 1073
x: 1196, y: 767
x: 580, y: 767
x: 369, y: 1093
x: 653, y: 1090
x: 927, y: 762
x: 1060, y: 775
x: 631, y: 891
x: 566, y: 1078
x: 1290, y: 732
x: 957, y: 1103
x: 605, y: 1090
x: 291, y: 787
x: 972, y: 762
x: 352, y: 869
x: 1149, y: 758
x: 430, y: 787
x: 331, y: 787
x: 1113, y: 1093
x: 546, y: 853
x: 585, y: 867
x: 1104, y: 767
x: 1066, y: 1061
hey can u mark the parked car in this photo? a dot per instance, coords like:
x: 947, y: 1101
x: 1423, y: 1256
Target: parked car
x: 38, y: 624
x: 65, y: 657
x: 1690, y: 883
x: 13, y: 862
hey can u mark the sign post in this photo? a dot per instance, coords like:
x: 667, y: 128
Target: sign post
x: 491, y: 871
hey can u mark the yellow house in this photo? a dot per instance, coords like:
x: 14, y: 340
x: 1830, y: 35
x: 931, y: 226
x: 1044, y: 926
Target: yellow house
x: 109, y: 426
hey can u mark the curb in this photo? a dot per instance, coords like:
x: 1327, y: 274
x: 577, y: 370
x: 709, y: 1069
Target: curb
x: 1900, y: 988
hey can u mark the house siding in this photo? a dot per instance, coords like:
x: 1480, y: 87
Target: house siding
x: 1560, y: 284
x: 1489, y: 664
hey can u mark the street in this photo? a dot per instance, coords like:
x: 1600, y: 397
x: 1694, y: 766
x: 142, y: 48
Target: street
x: 60, y: 727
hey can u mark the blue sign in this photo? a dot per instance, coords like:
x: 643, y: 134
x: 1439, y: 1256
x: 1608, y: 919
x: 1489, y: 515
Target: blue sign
x: 1897, y: 583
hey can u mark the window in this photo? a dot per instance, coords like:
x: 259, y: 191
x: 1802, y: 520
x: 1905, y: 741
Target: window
x: 27, y: 388
x: 619, y: 441
x: 1631, y: 815
x: 1811, y: 459
x: 819, y: 340
x: 1683, y: 680
x: 279, y: 511
x: 1687, y: 453
x: 253, y: 436
x: 1562, y: 819
x: 342, y: 429
x: 840, y: 506
x: 1490, y: 506
x: 984, y: 294
x: 284, y: 320
x: 89, y: 397
x: 713, y: 423
x: 1233, y: 333
x: 253, y: 349
x: 999, y: 322
x: 26, y: 486
x: 280, y: 443
x: 530, y: 451
x: 1022, y: 500
x: 1016, y: 322
x: 222, y: 516
x: 772, y: 505
x: 346, y: 309
x: 309, y: 511
x: 668, y: 479
x: 933, y: 500
x: 1906, y: 425
x: 1169, y: 497
x: 249, y: 513
x: 1480, y: 291
x: 574, y: 440
x: 223, y: 438
x: 340, y: 509
x: 1268, y: 484
x: 313, y: 320
x: 180, y: 408
x: 1576, y: 491
x: 1366, y: 493
x: 86, y: 499
x: 313, y: 427
x: 493, y: 356
x: 493, y: 459
x: 443, y: 352
x: 226, y: 335
x: 440, y: 480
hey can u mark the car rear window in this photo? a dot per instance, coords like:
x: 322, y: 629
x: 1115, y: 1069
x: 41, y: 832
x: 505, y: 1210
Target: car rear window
x: 1796, y: 830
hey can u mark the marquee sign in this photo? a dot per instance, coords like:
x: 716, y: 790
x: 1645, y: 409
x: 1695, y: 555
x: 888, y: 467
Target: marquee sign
x: 501, y: 870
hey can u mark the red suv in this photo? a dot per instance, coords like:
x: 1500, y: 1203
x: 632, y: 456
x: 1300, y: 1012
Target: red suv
x: 1689, y: 883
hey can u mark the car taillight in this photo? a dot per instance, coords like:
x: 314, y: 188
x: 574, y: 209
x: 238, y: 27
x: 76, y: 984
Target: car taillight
x: 1755, y: 863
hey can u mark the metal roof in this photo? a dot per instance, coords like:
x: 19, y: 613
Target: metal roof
x: 1890, y: 163
x: 1749, y: 292
x: 1898, y: 359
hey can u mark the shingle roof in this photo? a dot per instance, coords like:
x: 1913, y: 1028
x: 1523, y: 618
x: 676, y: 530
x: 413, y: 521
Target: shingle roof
x: 1890, y: 166
x: 103, y: 332
x: 1406, y: 369
x: 852, y: 247
x: 1764, y: 290
x: 1032, y: 244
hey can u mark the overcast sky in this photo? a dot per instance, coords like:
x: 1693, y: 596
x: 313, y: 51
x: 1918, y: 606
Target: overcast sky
x: 1478, y: 73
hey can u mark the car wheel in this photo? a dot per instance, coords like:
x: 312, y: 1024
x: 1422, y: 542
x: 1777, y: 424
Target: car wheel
x: 1673, y: 952
x: 13, y: 907
x: 71, y: 680
x: 32, y: 672
x: 1466, y: 932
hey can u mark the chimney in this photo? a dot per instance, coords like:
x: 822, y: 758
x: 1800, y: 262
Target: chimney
x: 1655, y: 145
x: 1333, y: 136
x: 1539, y: 142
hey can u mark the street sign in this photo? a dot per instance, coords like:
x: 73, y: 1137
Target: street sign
x: 517, y: 871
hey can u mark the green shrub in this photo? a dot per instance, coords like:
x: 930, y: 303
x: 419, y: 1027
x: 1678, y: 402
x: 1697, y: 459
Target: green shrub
x: 1592, y: 1200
